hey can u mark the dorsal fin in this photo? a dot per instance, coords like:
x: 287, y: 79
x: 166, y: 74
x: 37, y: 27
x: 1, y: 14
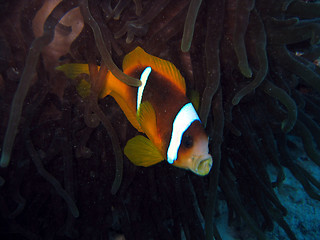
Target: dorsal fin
x: 139, y: 57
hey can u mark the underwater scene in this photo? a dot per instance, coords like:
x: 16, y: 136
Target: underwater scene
x: 160, y: 119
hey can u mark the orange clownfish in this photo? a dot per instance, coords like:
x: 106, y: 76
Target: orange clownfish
x: 160, y: 109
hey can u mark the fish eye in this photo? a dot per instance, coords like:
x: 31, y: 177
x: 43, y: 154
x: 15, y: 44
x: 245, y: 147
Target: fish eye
x: 187, y: 141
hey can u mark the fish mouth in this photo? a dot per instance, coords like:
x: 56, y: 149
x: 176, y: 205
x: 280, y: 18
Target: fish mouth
x: 203, y: 167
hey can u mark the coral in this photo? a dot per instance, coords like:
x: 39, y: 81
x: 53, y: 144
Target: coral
x: 63, y: 173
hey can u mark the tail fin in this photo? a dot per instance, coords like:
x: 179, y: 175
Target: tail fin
x: 72, y: 70
x: 113, y: 87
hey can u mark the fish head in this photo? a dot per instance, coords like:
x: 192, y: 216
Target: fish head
x: 193, y: 152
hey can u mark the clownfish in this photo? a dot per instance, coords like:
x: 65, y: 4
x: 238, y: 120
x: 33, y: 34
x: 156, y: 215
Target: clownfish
x: 158, y: 108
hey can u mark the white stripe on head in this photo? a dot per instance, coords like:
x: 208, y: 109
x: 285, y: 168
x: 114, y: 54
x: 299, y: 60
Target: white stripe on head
x: 185, y: 117
x: 143, y: 78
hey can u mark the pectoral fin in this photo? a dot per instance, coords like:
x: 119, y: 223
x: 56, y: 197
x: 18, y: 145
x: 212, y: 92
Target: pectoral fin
x: 147, y: 118
x: 195, y: 99
x: 142, y: 152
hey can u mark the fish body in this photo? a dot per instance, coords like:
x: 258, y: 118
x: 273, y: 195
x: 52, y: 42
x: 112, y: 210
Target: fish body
x: 160, y: 109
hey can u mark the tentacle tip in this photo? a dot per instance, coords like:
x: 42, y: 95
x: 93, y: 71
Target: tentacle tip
x: 286, y: 4
x: 5, y: 159
x: 114, y: 189
x: 184, y: 50
x: 185, y: 47
x: 2, y: 181
x: 130, y: 38
x: 75, y: 212
x: 245, y: 70
x: 285, y: 127
x: 235, y: 101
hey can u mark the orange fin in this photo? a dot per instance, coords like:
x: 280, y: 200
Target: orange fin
x: 139, y: 57
x: 147, y: 118
x: 141, y: 152
x: 131, y: 116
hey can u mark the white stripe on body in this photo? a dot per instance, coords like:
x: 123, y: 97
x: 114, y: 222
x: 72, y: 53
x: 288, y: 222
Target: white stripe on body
x: 143, y: 78
x: 185, y: 117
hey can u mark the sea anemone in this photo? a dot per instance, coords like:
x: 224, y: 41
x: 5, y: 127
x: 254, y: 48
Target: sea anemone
x: 255, y: 65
